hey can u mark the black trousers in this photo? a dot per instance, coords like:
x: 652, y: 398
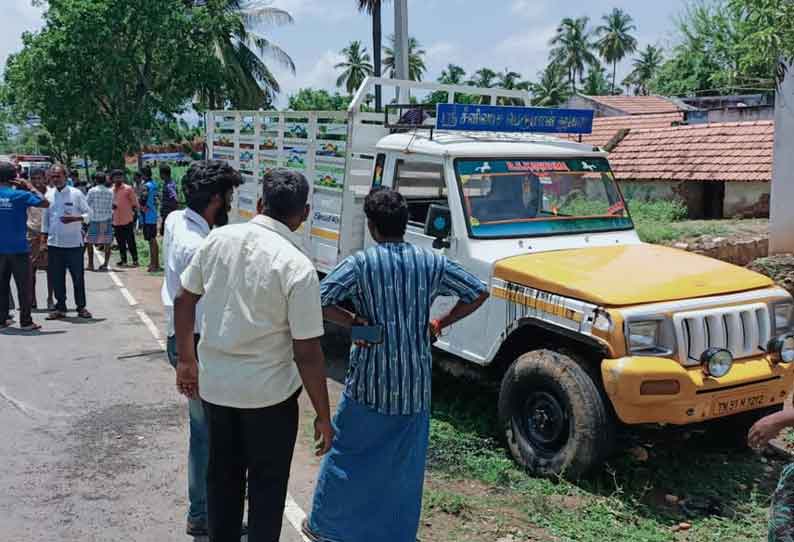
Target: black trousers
x: 125, y: 239
x: 15, y: 265
x: 60, y: 261
x: 261, y: 441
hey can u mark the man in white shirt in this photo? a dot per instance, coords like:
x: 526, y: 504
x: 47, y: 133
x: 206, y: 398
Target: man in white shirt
x: 260, y: 339
x: 100, y: 229
x: 62, y: 225
x: 208, y: 187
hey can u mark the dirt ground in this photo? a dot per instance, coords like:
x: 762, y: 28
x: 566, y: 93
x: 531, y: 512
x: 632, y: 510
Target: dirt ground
x: 780, y: 268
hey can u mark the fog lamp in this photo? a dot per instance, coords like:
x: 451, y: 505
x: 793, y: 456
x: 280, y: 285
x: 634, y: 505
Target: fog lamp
x: 717, y: 362
x: 782, y: 348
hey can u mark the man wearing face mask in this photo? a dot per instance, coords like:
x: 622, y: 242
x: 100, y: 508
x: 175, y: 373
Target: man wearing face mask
x: 208, y: 187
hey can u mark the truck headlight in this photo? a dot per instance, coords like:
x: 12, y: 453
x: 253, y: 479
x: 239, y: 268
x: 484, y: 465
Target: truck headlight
x: 643, y: 336
x: 717, y: 362
x: 783, y: 313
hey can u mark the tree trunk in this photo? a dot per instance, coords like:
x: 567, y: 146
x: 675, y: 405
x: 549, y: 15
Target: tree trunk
x: 376, y: 51
x: 614, y: 72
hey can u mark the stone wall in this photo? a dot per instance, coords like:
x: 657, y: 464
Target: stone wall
x: 740, y: 251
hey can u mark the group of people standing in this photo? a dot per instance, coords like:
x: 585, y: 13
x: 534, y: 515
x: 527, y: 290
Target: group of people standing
x: 246, y: 311
x: 52, y: 222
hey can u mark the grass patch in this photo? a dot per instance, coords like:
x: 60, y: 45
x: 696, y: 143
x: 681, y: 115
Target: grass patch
x: 726, y: 493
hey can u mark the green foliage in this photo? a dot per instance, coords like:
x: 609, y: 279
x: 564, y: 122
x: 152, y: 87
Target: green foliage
x: 355, y: 67
x: 308, y: 99
x: 646, y: 67
x: 615, y: 40
x: 572, y: 48
x: 416, y: 61
x: 100, y: 80
x: 596, y: 83
x: 242, y: 80
x: 551, y: 89
x: 728, y: 46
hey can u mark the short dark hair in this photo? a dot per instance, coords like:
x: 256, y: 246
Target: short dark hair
x: 388, y: 211
x: 99, y: 177
x: 204, y: 179
x: 137, y: 174
x: 117, y: 173
x: 146, y: 171
x: 36, y: 171
x: 165, y: 169
x: 284, y: 193
x: 8, y: 172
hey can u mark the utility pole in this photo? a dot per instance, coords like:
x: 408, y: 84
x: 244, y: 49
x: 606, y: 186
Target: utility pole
x: 401, y: 44
x: 781, y: 219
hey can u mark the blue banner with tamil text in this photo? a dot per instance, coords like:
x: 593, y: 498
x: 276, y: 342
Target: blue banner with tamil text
x: 494, y: 118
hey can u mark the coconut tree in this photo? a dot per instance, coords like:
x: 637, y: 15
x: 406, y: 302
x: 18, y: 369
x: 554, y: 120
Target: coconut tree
x: 551, y: 88
x: 645, y: 69
x: 241, y: 48
x: 572, y: 48
x: 452, y: 75
x: 416, y: 61
x: 615, y: 41
x: 355, y: 67
x: 483, y: 78
x: 511, y: 80
x: 373, y: 8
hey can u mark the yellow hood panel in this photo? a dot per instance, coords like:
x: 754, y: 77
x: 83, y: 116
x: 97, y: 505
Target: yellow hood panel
x: 628, y: 274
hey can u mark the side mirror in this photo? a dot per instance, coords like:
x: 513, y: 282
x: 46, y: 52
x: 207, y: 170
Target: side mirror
x: 439, y: 225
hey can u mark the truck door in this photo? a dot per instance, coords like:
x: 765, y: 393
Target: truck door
x: 420, y: 179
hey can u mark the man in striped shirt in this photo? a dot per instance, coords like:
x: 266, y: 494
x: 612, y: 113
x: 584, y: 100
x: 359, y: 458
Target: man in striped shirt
x: 382, y: 424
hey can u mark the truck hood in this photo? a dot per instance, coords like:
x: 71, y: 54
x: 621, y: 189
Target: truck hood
x: 628, y: 275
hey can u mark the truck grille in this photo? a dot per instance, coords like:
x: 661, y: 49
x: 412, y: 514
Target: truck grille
x: 743, y: 330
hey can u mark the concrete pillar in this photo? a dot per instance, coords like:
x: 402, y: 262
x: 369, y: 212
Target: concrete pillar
x: 401, y: 44
x: 781, y: 211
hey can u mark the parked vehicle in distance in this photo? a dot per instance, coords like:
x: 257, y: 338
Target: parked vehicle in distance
x: 588, y: 328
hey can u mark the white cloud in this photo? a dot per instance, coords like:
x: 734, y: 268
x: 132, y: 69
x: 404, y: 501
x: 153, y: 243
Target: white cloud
x: 526, y: 53
x: 18, y: 16
x: 329, y: 10
x: 528, y: 8
x: 321, y: 75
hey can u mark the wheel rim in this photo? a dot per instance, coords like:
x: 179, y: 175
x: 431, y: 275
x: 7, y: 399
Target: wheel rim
x: 544, y: 422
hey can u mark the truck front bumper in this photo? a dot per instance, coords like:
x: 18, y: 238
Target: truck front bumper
x: 633, y: 384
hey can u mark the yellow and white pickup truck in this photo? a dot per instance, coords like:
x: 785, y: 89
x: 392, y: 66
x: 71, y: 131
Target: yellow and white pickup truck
x: 587, y: 327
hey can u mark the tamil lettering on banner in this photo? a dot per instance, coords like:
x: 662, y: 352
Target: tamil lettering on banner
x: 489, y: 118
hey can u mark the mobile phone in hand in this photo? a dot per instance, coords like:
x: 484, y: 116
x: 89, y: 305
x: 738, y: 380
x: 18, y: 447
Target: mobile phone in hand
x: 367, y: 334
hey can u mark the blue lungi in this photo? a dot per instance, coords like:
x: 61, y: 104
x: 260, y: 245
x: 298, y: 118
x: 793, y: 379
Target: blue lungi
x: 370, y: 483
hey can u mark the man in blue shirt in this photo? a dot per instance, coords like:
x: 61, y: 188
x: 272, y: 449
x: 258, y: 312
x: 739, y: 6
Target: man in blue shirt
x: 15, y: 199
x: 150, y: 218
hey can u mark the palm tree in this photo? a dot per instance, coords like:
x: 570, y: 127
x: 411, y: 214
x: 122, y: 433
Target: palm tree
x: 573, y: 48
x: 483, y: 78
x: 452, y: 75
x: 510, y: 80
x: 551, y: 88
x: 240, y: 47
x: 615, y: 41
x: 356, y: 67
x: 373, y: 8
x: 416, y: 62
x: 645, y: 68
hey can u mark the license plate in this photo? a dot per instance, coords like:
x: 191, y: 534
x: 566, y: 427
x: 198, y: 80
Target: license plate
x: 729, y: 405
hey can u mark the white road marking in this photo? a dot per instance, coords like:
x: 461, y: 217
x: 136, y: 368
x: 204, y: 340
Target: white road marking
x: 295, y: 515
x: 29, y: 410
x: 292, y: 511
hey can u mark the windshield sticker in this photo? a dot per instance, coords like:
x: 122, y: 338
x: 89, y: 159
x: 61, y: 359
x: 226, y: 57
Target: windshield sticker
x: 536, y: 166
x: 617, y: 208
x: 546, y: 180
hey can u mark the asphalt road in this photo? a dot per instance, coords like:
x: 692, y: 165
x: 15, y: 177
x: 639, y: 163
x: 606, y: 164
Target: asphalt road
x: 94, y: 435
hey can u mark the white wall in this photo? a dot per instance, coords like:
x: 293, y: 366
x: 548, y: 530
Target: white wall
x: 781, y: 224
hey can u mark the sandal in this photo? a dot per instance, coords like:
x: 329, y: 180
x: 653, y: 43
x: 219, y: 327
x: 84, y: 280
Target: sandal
x: 56, y: 315
x: 30, y: 327
x: 82, y: 313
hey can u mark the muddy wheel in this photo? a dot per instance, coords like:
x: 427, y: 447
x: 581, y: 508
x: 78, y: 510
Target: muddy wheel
x: 554, y: 419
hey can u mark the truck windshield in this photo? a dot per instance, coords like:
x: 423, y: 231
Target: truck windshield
x: 517, y: 198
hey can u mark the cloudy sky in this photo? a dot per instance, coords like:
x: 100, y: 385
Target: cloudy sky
x: 499, y: 33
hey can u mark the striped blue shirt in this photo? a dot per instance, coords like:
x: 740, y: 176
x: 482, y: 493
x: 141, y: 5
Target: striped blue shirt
x: 394, y: 285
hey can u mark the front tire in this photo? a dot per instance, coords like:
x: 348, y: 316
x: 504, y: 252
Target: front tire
x: 554, y: 419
